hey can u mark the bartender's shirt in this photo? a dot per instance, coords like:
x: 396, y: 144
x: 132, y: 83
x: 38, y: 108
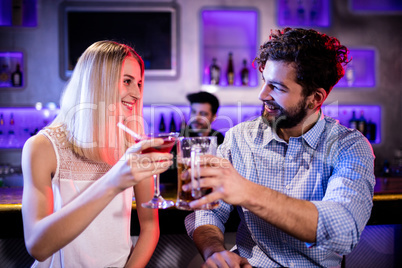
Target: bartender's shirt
x: 330, y: 165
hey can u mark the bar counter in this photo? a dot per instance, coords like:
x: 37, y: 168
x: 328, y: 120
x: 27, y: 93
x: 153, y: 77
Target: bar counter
x: 386, y: 210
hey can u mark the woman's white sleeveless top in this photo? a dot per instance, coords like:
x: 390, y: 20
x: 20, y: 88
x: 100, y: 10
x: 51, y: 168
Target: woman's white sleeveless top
x: 106, y: 242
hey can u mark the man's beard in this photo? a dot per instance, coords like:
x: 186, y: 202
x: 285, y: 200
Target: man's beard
x: 286, y: 118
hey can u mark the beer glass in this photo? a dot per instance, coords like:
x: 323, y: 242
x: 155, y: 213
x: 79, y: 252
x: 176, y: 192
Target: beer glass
x: 189, y: 151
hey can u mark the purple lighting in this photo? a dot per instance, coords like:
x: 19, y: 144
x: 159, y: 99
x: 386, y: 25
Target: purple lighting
x: 227, y: 31
x: 360, y: 72
x: 304, y: 13
x: 375, y: 5
x: 18, y: 16
x: 9, y: 62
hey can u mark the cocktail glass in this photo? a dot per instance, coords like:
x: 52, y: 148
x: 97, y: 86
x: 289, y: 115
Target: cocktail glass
x: 158, y: 201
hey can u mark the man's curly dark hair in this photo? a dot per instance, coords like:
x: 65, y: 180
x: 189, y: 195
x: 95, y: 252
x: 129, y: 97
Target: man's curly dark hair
x: 319, y: 58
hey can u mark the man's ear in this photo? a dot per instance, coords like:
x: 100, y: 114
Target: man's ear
x: 213, y: 118
x: 319, y: 97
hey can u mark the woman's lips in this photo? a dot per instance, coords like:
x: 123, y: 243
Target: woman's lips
x: 129, y: 105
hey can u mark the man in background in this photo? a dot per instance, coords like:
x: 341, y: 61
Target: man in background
x: 203, y: 110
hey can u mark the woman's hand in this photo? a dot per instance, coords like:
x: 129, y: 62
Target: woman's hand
x: 134, y: 166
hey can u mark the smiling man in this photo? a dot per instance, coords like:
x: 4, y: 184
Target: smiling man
x: 302, y: 183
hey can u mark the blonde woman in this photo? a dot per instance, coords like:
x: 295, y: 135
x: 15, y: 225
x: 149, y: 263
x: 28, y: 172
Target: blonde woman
x: 80, y: 172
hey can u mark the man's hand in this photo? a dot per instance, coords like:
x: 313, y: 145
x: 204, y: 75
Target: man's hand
x: 226, y: 259
x: 227, y: 184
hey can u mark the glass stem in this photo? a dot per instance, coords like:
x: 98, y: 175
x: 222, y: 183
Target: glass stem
x: 156, y: 185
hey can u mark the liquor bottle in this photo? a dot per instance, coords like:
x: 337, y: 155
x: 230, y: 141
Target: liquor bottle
x: 386, y: 170
x: 371, y: 131
x: 11, y: 132
x: 286, y: 11
x: 244, y: 74
x: 230, y: 70
x: 362, y: 124
x: 162, y: 126
x: 350, y: 74
x: 300, y: 12
x: 353, y: 121
x: 214, y: 73
x: 5, y: 76
x: 172, y: 125
x: 314, y: 12
x: 16, y: 77
x: 183, y: 127
x: 12, y: 122
x: 17, y: 12
x: 2, y: 131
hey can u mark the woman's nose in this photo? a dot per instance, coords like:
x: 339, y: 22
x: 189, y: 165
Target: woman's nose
x: 135, y: 92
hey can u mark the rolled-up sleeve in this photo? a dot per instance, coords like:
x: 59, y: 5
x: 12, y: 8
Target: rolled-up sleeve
x: 217, y: 217
x: 346, y: 207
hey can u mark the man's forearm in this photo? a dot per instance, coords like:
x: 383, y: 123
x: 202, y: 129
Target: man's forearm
x: 209, y: 239
x: 296, y: 217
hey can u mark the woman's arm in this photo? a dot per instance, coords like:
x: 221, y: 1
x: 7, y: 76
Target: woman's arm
x: 46, y: 232
x: 149, y: 226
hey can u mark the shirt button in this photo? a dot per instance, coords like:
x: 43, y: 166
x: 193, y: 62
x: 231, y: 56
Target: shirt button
x: 292, y: 264
x: 287, y: 186
x: 290, y: 157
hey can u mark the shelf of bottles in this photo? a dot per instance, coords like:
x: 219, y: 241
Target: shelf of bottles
x: 376, y: 5
x: 365, y: 118
x: 17, y: 124
x: 229, y: 46
x: 360, y: 72
x: 18, y: 13
x: 11, y: 69
x: 304, y: 13
x: 170, y: 118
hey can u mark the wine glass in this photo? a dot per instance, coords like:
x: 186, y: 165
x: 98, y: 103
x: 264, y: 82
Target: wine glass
x: 158, y: 201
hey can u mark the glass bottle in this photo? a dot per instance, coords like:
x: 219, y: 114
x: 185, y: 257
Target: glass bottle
x: 16, y: 77
x: 230, y: 70
x: 162, y: 126
x: 2, y: 131
x: 371, y: 131
x: 362, y: 124
x: 214, y: 73
x: 314, y: 12
x: 353, y: 121
x: 300, y: 12
x: 245, y: 74
x: 5, y: 76
x: 286, y: 11
x: 17, y: 10
x: 350, y: 74
x: 11, y: 132
x: 172, y: 125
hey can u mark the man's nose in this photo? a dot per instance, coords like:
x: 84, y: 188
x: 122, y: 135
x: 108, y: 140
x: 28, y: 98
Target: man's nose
x: 265, y: 93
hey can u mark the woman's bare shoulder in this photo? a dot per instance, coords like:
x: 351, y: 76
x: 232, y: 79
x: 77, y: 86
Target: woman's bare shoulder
x: 39, y: 150
x: 38, y: 144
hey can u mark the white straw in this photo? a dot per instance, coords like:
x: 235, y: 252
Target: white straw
x: 129, y: 131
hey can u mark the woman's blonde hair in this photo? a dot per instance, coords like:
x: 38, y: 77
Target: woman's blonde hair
x: 88, y: 104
